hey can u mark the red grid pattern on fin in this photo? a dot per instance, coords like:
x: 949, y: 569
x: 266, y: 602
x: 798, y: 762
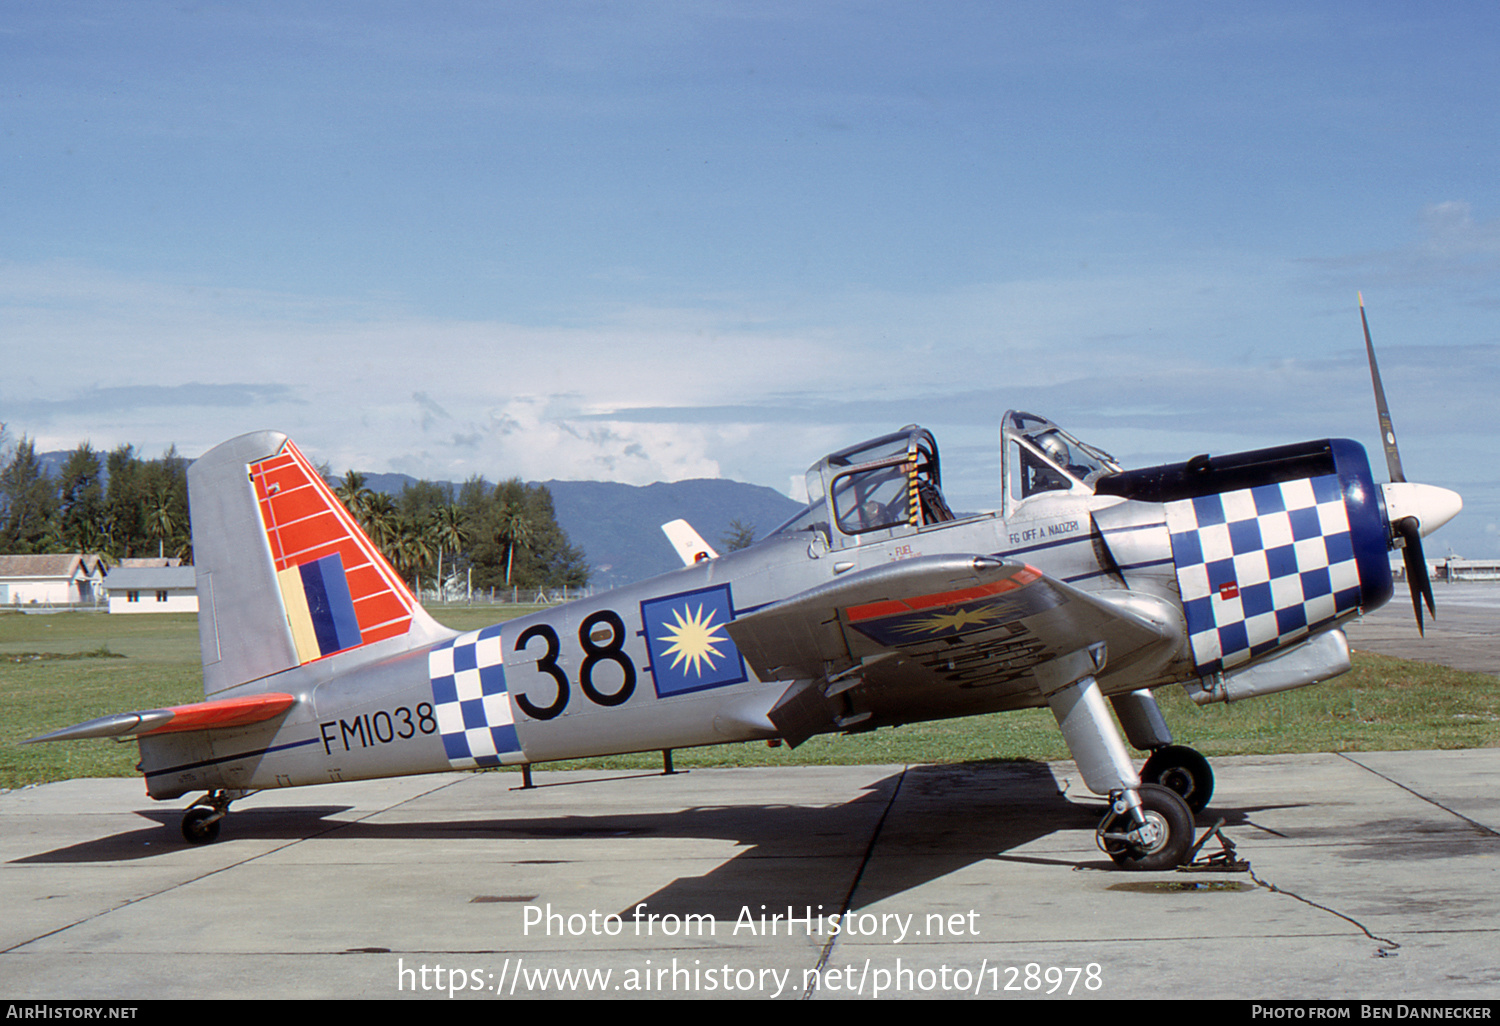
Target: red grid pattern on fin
x: 305, y: 521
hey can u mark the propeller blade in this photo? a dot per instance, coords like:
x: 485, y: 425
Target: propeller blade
x: 1414, y: 510
x: 1416, y: 568
x: 1387, y: 430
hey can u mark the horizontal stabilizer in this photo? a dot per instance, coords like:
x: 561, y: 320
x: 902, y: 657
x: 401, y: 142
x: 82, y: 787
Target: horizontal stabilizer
x: 223, y: 712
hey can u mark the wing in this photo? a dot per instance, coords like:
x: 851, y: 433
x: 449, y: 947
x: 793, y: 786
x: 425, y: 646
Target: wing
x: 941, y: 623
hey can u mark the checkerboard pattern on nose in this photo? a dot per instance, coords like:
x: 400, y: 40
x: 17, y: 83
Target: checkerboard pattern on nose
x: 1262, y: 567
x: 472, y: 705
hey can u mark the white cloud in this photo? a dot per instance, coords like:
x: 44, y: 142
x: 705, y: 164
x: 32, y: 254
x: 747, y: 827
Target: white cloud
x: 1155, y: 365
x: 1452, y: 232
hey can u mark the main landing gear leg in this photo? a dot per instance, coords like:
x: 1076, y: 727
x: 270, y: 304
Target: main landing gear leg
x: 200, y: 824
x: 1147, y: 826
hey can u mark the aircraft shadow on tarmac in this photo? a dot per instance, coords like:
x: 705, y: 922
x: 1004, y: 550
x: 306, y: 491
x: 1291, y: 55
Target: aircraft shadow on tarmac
x: 855, y: 853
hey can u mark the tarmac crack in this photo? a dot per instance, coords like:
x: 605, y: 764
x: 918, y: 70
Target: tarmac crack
x: 827, y: 951
x: 1412, y: 791
x: 1387, y: 947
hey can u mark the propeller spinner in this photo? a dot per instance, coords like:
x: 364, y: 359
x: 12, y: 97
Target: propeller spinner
x: 1413, y: 510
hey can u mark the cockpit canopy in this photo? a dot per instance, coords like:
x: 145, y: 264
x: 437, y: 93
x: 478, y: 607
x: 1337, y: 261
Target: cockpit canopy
x: 1039, y: 457
x: 887, y: 484
x: 893, y: 484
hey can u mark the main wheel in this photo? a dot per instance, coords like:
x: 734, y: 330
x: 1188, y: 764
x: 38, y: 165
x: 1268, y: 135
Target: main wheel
x: 196, y: 826
x: 1183, y: 770
x: 1167, y: 838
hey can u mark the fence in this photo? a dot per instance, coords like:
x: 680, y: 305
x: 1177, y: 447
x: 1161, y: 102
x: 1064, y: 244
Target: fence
x: 501, y: 596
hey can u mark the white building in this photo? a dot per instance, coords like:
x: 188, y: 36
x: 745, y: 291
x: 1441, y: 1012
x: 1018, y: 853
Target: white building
x: 70, y: 578
x: 1473, y: 569
x: 153, y: 589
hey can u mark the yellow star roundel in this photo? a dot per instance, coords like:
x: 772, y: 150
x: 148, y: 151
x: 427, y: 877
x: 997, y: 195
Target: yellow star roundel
x: 688, y: 641
x: 692, y: 639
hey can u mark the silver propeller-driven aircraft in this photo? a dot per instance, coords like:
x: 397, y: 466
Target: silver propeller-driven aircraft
x: 1089, y: 587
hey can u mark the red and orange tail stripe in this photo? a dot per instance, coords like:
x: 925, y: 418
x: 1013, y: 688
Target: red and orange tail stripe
x: 338, y: 589
x: 224, y: 712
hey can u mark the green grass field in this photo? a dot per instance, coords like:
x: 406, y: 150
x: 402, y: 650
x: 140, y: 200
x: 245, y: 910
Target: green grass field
x: 60, y: 669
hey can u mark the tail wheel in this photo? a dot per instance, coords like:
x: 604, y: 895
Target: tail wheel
x: 1184, y: 771
x: 200, y: 824
x: 1162, y: 843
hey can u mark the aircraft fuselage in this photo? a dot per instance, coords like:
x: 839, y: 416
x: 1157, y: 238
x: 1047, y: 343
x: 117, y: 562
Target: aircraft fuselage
x: 653, y: 665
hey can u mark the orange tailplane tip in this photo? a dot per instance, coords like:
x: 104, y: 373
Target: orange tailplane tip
x: 221, y: 712
x: 224, y: 712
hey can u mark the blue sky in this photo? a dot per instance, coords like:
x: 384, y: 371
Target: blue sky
x: 649, y: 241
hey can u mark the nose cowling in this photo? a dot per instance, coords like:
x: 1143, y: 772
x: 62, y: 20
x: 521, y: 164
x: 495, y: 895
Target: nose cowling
x: 1429, y: 505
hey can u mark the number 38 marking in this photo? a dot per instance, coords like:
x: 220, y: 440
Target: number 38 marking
x: 611, y: 651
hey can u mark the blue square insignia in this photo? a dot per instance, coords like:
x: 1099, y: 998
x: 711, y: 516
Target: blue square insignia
x: 689, y: 648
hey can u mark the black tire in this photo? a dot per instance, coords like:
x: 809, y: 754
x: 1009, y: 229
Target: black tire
x: 1169, y: 813
x: 195, y: 829
x: 1182, y: 770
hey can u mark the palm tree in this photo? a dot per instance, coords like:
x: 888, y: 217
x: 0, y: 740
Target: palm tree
x: 515, y: 529
x: 161, y: 519
x: 380, y: 523
x: 449, y: 533
x: 355, y: 496
x: 413, y: 546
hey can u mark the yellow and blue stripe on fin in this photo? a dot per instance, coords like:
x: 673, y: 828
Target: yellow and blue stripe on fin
x: 319, y: 608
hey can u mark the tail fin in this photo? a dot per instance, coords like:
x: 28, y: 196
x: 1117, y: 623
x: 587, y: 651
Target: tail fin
x: 285, y: 574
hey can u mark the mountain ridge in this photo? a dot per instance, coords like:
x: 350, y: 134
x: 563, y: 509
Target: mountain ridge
x: 618, y: 526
